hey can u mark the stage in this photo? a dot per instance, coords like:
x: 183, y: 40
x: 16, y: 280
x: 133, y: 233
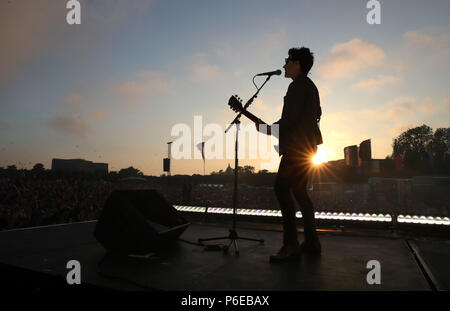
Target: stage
x: 37, y: 257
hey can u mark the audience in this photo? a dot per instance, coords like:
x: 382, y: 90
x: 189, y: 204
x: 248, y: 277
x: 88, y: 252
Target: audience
x: 27, y: 202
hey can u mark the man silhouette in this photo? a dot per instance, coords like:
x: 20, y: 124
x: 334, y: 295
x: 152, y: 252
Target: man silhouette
x: 299, y: 135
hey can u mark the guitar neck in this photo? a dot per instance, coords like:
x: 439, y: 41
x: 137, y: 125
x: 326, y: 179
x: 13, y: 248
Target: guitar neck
x: 252, y: 117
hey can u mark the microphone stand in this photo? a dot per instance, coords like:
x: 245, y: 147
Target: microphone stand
x: 233, y: 236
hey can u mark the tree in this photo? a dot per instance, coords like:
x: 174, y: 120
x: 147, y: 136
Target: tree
x: 440, y: 144
x: 38, y: 167
x: 130, y: 172
x: 440, y: 147
x: 412, y: 145
x: 11, y: 168
x: 248, y: 169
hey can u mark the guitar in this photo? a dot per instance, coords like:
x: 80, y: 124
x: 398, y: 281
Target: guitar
x: 235, y: 104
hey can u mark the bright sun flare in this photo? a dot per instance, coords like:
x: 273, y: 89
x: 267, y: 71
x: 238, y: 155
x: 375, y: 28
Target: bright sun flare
x: 320, y: 157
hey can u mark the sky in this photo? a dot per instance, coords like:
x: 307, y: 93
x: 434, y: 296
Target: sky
x: 115, y: 88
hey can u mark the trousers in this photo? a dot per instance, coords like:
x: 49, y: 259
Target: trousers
x: 290, y: 186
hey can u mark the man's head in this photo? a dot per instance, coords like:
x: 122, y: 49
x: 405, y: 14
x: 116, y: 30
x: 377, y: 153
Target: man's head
x: 300, y: 61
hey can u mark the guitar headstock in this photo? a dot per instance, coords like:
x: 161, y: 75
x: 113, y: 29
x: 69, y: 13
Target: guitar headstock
x: 235, y: 103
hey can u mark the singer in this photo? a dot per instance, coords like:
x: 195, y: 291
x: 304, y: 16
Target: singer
x: 299, y: 137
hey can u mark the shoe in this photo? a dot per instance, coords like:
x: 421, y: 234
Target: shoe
x: 311, y: 248
x: 286, y: 255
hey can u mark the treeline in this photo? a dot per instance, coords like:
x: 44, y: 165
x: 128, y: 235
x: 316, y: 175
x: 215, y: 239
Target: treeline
x: 419, y: 150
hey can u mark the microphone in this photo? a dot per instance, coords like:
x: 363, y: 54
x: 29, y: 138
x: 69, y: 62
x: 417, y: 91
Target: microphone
x: 270, y: 73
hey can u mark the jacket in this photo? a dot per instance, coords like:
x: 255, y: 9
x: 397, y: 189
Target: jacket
x: 298, y: 126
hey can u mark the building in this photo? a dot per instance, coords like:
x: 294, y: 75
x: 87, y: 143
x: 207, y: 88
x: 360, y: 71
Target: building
x: 351, y: 155
x: 229, y: 170
x: 79, y: 165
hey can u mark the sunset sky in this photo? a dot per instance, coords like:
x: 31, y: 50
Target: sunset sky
x: 111, y: 89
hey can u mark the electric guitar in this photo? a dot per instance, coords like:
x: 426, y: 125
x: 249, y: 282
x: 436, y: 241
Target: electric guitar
x: 235, y: 104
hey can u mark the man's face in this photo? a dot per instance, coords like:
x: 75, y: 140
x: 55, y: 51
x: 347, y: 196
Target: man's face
x: 291, y: 68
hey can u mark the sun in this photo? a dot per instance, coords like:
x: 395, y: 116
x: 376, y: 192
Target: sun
x: 320, y: 157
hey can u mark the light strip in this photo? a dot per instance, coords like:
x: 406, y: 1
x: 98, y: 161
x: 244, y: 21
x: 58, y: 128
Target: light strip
x: 277, y: 213
x: 323, y: 215
x: 408, y: 219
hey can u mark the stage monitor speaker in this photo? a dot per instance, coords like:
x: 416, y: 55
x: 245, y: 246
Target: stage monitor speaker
x: 138, y: 222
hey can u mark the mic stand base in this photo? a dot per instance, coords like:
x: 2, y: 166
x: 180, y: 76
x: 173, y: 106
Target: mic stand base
x: 233, y: 237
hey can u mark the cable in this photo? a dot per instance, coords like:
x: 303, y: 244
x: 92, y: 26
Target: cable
x: 253, y: 80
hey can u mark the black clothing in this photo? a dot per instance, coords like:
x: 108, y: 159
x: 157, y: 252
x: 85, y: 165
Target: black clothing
x: 299, y: 137
x: 298, y: 126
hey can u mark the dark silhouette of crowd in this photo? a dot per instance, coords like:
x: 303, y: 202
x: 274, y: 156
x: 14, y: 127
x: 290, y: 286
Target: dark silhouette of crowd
x: 36, y: 202
x: 27, y: 201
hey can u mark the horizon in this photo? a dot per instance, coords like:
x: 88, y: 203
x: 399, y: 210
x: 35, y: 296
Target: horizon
x: 112, y: 88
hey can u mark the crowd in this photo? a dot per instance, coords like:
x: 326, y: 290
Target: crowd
x: 26, y: 202
x: 31, y: 202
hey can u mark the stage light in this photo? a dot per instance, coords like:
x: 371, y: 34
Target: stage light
x: 274, y: 212
x: 407, y: 219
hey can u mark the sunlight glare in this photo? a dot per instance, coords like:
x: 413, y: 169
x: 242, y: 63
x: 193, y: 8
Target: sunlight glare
x: 320, y: 157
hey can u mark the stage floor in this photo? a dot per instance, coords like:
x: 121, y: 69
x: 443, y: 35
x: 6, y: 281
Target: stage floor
x: 419, y: 264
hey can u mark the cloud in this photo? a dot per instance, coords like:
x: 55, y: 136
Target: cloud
x: 68, y: 125
x: 446, y: 99
x: 396, y: 131
x: 428, y: 106
x: 266, y: 112
x: 201, y: 73
x: 25, y: 28
x: 427, y: 38
x: 30, y: 30
x: 401, y: 106
x: 430, y: 45
x: 202, y: 69
x: 375, y: 83
x: 4, y: 126
x: 401, y: 100
x: 99, y: 115
x: 262, y: 46
x: 349, y: 58
x: 325, y: 89
x: 140, y: 88
x: 145, y: 82
x: 73, y: 98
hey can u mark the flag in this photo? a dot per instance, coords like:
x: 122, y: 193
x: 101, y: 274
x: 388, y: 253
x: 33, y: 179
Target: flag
x: 201, y: 147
